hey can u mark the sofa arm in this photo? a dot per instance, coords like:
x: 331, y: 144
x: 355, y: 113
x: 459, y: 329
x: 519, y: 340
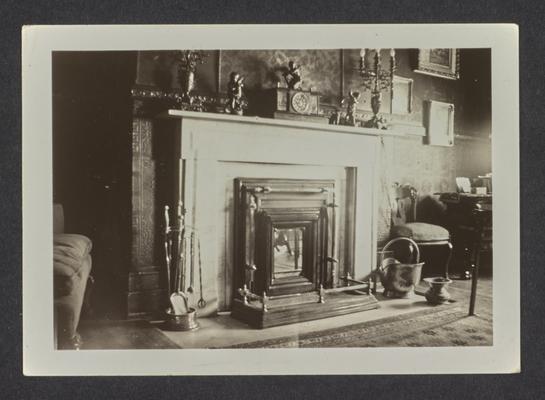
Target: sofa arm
x: 68, y: 308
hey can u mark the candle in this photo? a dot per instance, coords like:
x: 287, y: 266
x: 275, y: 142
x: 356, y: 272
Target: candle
x: 363, y: 60
x: 377, y: 58
x: 392, y: 53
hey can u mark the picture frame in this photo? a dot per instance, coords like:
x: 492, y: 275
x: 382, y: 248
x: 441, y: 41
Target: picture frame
x: 442, y: 63
x: 439, y: 121
x: 402, y: 100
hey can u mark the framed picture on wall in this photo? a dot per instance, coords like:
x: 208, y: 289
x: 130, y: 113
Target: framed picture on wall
x: 402, y: 99
x: 443, y: 63
x: 439, y: 121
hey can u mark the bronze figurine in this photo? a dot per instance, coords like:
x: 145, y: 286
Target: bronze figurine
x: 351, y: 102
x: 292, y: 75
x: 235, y: 102
x: 335, y: 118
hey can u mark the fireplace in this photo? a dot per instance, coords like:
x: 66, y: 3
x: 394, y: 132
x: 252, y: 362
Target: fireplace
x: 285, y: 212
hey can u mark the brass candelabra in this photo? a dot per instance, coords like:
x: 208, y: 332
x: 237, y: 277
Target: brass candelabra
x: 377, y: 79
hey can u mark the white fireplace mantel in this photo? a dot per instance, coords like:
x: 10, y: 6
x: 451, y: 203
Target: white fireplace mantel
x: 217, y: 148
x: 396, y: 130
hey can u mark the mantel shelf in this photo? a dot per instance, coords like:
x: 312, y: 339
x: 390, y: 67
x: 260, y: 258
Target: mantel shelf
x: 398, y: 130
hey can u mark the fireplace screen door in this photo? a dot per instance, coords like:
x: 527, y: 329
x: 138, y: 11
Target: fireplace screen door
x: 284, y: 235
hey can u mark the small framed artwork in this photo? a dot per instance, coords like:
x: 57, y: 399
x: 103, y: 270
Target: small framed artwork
x: 439, y: 121
x: 443, y: 63
x: 402, y: 96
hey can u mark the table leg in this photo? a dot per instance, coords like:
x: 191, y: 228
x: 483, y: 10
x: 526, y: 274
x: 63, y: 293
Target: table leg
x: 476, y: 260
x: 474, y: 279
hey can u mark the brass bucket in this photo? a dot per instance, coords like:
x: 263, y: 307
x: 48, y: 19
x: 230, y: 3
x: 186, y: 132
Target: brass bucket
x: 397, y: 278
x: 181, y: 322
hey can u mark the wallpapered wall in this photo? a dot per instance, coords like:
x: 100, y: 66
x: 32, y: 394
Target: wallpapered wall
x: 320, y: 69
x: 430, y: 169
x: 157, y: 68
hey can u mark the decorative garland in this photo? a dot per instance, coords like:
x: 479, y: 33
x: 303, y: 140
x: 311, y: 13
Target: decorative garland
x: 176, y: 99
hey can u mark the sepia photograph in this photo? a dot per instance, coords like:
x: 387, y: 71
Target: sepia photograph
x: 294, y: 195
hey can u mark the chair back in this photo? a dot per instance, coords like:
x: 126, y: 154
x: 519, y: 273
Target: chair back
x: 404, y: 204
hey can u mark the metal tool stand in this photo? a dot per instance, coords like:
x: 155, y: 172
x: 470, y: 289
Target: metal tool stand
x: 176, y: 263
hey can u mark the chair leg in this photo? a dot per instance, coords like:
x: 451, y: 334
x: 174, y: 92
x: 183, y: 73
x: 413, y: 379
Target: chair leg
x: 448, y: 259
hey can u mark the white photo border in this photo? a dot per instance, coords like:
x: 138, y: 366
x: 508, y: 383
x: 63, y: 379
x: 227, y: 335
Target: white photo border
x: 39, y: 357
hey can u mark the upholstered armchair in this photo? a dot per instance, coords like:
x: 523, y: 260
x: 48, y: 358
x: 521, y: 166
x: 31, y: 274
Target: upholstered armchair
x: 71, y: 269
x: 405, y: 223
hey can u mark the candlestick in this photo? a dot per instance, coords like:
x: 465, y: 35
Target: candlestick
x: 376, y: 78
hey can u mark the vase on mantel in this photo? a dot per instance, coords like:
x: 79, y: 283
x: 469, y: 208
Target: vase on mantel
x: 437, y: 293
x: 187, y: 61
x: 186, y: 78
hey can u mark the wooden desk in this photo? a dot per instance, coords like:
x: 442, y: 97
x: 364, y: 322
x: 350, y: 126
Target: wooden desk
x: 465, y: 214
x: 469, y: 220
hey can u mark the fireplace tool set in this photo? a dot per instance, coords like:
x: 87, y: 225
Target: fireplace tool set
x: 182, y: 256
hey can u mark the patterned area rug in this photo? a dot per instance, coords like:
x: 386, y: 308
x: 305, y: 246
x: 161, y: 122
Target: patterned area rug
x: 439, y: 326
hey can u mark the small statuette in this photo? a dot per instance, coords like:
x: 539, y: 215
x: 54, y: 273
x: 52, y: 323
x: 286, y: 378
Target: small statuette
x: 235, y: 103
x: 351, y: 101
x: 292, y: 75
x: 335, y: 118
